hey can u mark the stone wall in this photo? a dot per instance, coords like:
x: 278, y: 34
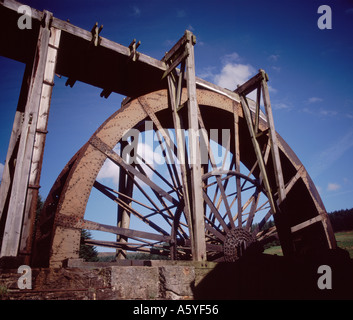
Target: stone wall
x: 260, y: 277
x: 158, y: 281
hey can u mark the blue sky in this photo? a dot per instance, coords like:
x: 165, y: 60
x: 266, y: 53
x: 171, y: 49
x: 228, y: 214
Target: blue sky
x: 310, y: 73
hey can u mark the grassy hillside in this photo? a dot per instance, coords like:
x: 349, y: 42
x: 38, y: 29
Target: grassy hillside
x: 344, y: 240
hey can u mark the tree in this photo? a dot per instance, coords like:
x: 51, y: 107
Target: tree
x: 86, y: 252
x: 342, y: 220
x: 89, y: 253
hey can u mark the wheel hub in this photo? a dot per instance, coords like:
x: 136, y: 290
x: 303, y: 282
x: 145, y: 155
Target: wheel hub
x: 237, y: 241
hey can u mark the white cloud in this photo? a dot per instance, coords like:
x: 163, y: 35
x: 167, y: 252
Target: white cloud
x: 333, y: 186
x: 314, y: 100
x: 111, y: 171
x: 231, y: 57
x: 151, y: 157
x: 233, y: 74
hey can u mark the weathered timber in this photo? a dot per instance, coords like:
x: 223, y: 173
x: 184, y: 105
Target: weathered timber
x: 17, y: 202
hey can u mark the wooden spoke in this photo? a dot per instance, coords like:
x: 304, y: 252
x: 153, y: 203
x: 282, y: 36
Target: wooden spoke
x: 101, y: 188
x: 113, y: 156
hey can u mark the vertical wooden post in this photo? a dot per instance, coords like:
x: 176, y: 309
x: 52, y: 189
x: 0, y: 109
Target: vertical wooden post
x: 10, y: 162
x: 237, y: 162
x: 39, y: 143
x: 125, y: 187
x: 259, y: 83
x: 273, y: 138
x: 21, y: 176
x: 197, y: 204
x: 191, y: 169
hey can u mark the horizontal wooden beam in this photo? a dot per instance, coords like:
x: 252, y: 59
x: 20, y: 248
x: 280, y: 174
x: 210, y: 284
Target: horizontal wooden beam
x: 306, y: 223
x: 119, y: 52
x: 78, y: 223
x: 251, y: 84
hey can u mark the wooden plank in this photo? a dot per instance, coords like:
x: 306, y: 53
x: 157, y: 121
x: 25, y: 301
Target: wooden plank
x: 14, y: 5
x: 175, y: 48
x: 39, y: 142
x: 9, y: 167
x: 249, y: 85
x: 214, y: 210
x: 252, y: 212
x: 78, y: 223
x: 123, y: 219
x: 174, y: 94
x: 258, y: 153
x: 257, y: 111
x: 273, y: 138
x: 237, y: 162
x: 294, y: 179
x: 213, y: 163
x: 306, y: 223
x: 119, y: 49
x: 197, y: 203
x: 130, y: 247
x: 219, y: 235
x: 12, y: 232
x: 175, y: 63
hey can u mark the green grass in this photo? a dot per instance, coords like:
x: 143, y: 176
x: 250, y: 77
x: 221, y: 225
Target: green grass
x: 274, y: 250
x: 344, y: 240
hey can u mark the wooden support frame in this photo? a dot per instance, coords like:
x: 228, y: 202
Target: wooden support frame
x: 259, y: 83
x: 183, y: 54
x: 20, y: 190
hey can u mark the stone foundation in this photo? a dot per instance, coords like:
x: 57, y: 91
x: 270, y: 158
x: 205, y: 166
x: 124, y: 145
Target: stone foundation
x: 260, y: 277
x: 91, y: 281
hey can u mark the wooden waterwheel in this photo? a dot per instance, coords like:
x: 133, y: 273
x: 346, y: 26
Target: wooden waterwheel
x: 201, y: 173
x: 156, y: 193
